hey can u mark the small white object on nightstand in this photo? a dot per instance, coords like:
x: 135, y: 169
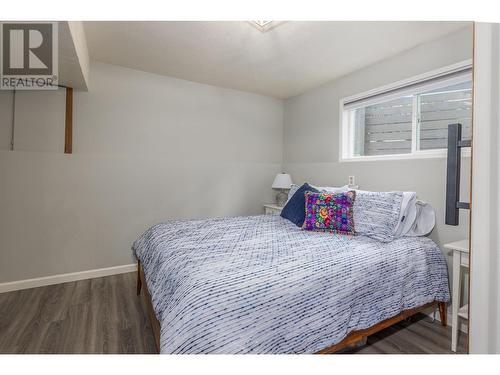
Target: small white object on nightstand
x: 272, y: 209
x: 460, y: 259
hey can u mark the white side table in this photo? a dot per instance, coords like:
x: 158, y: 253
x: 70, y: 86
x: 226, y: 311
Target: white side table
x: 272, y: 209
x: 460, y: 259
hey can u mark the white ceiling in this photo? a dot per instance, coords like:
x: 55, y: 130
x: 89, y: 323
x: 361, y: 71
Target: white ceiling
x: 285, y: 61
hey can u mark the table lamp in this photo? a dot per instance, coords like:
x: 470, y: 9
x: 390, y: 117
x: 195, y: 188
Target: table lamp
x: 282, y: 182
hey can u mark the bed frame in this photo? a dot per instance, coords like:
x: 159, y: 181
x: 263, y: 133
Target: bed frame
x: 351, y: 339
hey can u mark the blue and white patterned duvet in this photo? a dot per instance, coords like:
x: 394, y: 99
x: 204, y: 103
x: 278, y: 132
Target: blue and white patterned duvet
x: 259, y: 284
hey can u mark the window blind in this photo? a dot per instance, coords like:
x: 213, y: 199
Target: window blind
x: 458, y: 75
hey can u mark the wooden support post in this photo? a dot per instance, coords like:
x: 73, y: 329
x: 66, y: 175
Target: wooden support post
x: 442, y: 313
x: 139, y: 282
x: 68, y: 133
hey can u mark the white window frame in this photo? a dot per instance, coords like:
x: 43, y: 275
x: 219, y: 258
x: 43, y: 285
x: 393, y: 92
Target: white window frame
x: 346, y: 132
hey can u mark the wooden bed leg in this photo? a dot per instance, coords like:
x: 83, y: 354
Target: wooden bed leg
x: 442, y: 313
x: 139, y: 283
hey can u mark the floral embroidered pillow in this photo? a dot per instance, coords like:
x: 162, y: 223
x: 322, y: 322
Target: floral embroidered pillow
x: 332, y: 212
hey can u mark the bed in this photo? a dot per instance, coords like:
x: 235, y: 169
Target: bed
x: 260, y: 284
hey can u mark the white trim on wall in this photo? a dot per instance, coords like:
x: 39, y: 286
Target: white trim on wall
x: 427, y: 154
x: 66, y: 277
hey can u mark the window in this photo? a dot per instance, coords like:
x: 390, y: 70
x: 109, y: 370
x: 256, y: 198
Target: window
x: 408, y: 119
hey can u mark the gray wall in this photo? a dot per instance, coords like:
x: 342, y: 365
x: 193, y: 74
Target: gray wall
x: 38, y: 120
x: 311, y: 134
x: 146, y: 148
x: 6, y: 117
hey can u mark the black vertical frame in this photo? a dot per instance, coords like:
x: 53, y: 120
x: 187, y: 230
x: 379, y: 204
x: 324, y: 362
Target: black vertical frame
x: 455, y: 145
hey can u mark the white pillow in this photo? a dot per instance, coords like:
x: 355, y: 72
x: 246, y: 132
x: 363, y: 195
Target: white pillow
x: 407, y: 214
x: 333, y: 189
x: 329, y: 189
x: 425, y: 220
x: 377, y: 214
x: 417, y: 218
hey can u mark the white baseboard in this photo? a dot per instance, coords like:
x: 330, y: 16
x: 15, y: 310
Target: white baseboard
x: 66, y: 277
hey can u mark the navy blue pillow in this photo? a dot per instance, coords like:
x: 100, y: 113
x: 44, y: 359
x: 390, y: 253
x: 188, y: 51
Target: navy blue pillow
x: 295, y: 209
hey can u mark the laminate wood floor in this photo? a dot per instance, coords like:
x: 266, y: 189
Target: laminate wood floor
x: 416, y: 335
x: 104, y: 315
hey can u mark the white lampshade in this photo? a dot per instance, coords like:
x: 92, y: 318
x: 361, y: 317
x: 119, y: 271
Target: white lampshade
x: 282, y: 181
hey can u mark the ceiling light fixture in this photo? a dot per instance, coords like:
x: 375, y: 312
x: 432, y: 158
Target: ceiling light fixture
x: 264, y: 26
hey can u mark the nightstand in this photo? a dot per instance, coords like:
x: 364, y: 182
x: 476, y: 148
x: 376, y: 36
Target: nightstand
x: 460, y: 260
x: 272, y: 209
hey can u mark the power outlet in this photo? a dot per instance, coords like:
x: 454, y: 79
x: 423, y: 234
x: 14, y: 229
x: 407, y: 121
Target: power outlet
x: 351, y: 181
